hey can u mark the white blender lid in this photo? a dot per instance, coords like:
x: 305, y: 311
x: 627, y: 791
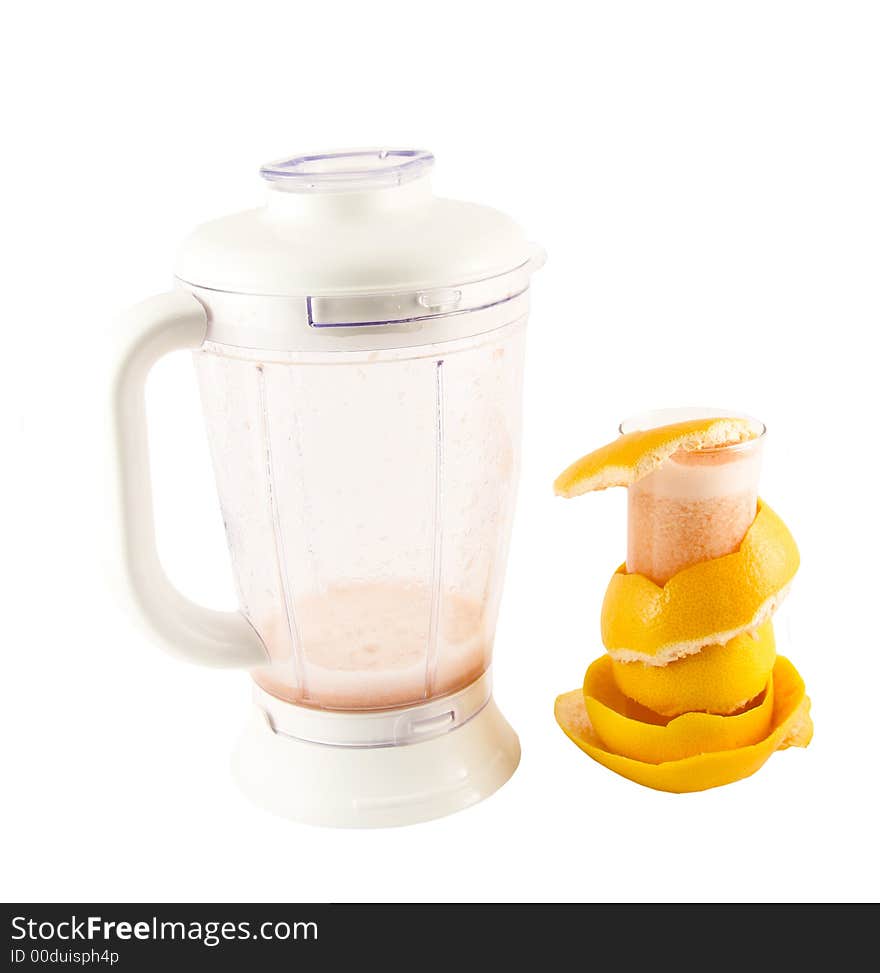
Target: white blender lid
x: 355, y: 223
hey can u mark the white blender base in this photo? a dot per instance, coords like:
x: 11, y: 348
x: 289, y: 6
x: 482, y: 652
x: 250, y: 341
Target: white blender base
x: 375, y: 787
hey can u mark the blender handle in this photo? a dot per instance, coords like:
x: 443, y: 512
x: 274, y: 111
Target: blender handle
x: 146, y: 332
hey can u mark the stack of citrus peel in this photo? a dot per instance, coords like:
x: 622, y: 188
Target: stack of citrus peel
x: 690, y: 693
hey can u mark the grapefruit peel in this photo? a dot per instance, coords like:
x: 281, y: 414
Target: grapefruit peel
x: 790, y: 725
x: 690, y: 694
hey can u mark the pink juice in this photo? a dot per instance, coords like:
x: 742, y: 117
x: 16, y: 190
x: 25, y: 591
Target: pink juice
x: 375, y: 645
x: 696, y: 507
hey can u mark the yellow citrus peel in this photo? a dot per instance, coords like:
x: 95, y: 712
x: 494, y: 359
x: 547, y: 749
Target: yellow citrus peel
x: 631, y: 730
x: 691, y: 693
x: 790, y: 725
x: 705, y: 604
x: 718, y: 679
x: 636, y: 454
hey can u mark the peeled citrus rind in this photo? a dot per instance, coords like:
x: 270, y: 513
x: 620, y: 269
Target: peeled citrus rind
x: 691, y: 694
x: 717, y: 679
x: 634, y: 455
x: 708, y: 603
x: 790, y: 725
x: 623, y: 731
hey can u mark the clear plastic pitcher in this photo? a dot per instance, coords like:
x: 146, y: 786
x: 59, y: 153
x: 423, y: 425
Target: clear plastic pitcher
x: 368, y: 499
x: 358, y: 343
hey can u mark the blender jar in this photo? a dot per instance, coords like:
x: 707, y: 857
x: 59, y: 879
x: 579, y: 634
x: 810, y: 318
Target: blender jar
x: 358, y: 344
x: 367, y: 498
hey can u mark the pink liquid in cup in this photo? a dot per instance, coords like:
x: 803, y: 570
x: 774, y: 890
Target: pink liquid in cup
x: 697, y: 506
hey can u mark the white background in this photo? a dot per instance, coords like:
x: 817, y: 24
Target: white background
x: 704, y: 177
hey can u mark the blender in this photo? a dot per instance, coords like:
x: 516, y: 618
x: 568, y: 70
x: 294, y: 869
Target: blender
x: 358, y: 344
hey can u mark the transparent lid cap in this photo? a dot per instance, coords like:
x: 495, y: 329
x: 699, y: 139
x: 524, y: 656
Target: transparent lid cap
x: 348, y: 171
